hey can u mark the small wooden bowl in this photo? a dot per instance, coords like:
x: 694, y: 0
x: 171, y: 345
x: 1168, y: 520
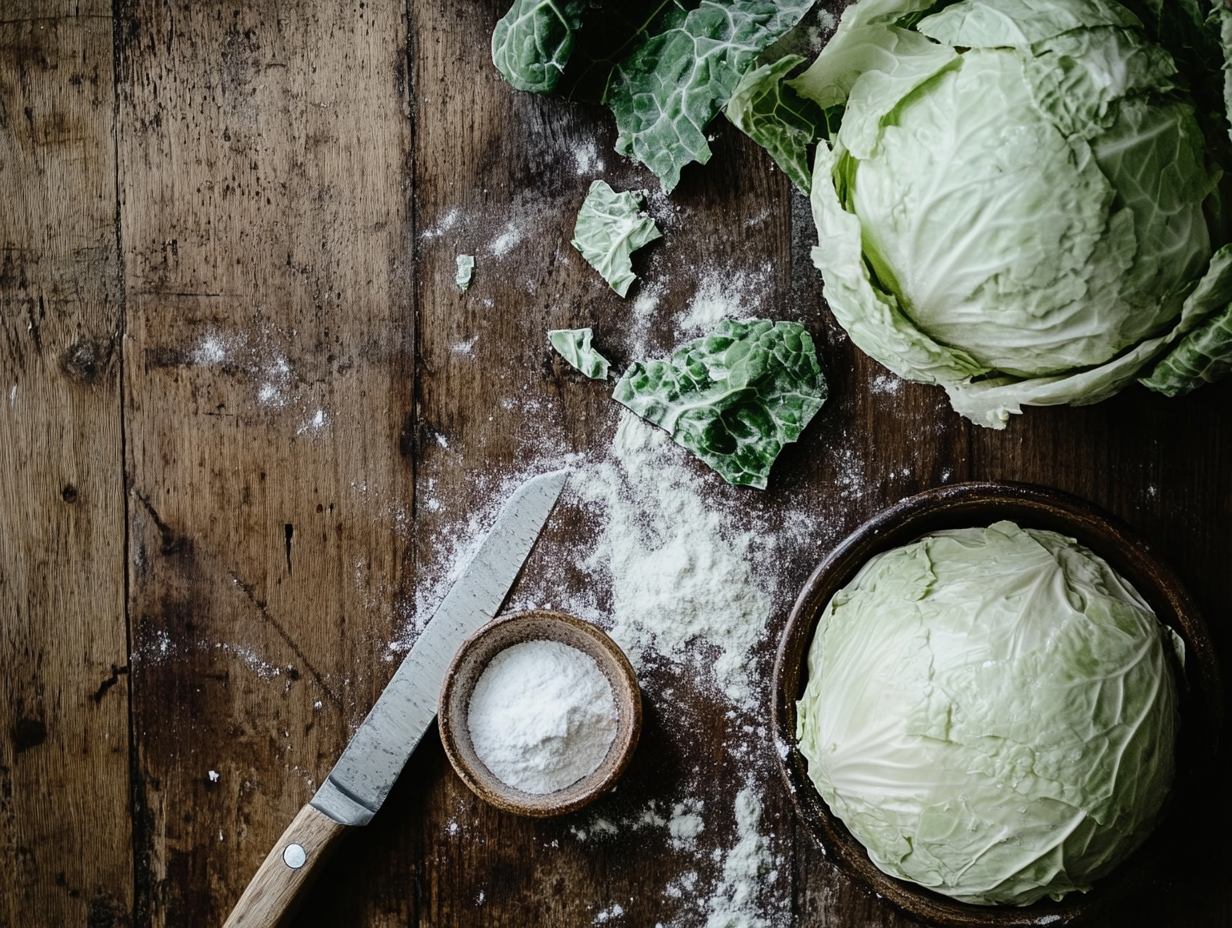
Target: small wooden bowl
x: 977, y: 505
x: 464, y: 672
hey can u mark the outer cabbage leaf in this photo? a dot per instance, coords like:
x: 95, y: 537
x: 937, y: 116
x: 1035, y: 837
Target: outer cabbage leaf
x: 1153, y: 154
x: 669, y: 88
x: 990, y: 402
x: 992, y: 713
x: 610, y: 227
x: 902, y: 60
x: 778, y: 119
x: 1019, y: 23
x: 1203, y: 356
x: 1076, y: 77
x: 735, y: 397
x: 531, y: 44
x: 574, y: 346
x: 872, y: 316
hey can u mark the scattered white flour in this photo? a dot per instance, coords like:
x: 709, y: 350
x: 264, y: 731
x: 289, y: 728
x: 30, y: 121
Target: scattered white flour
x: 13, y: 396
x: 682, y: 584
x: 448, y: 221
x: 210, y: 351
x: 586, y: 155
x: 508, y: 239
x: 885, y: 384
x: 725, y: 295
x: 214, y: 776
x: 315, y: 424
x: 542, y: 716
x: 614, y: 911
x: 685, y: 824
x: 467, y: 347
x: 747, y: 869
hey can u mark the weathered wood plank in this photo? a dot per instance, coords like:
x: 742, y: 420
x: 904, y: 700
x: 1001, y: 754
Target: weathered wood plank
x: 64, y: 788
x: 264, y: 187
x: 501, y: 174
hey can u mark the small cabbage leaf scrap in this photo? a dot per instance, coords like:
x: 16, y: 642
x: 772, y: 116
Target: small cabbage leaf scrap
x: 466, y: 267
x: 574, y: 346
x: 665, y: 93
x: 734, y: 397
x: 610, y: 227
x: 533, y: 41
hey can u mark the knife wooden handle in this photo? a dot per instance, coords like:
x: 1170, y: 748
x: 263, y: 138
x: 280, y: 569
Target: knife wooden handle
x: 285, y: 871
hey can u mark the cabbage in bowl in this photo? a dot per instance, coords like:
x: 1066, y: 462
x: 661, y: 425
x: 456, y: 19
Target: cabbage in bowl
x: 992, y: 713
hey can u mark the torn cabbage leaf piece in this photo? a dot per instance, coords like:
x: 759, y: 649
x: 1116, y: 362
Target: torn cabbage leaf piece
x: 574, y: 346
x: 466, y: 267
x: 734, y: 397
x: 610, y: 227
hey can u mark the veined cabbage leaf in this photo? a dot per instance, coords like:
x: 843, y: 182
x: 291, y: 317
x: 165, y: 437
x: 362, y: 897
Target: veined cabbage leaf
x: 734, y: 397
x: 665, y: 69
x: 610, y: 227
x: 574, y: 346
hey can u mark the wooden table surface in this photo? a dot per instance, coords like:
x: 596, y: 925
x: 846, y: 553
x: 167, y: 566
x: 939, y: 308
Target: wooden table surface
x: 248, y: 425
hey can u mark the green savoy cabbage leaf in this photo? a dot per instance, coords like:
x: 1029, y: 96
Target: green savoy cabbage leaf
x: 574, y: 346
x: 1020, y: 203
x: 678, y: 79
x: 734, y: 397
x: 610, y: 227
x: 531, y: 44
x: 777, y: 118
x: 992, y: 713
x: 664, y: 67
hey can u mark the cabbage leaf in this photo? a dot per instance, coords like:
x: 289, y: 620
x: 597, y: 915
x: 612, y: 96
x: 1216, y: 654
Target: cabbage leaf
x: 734, y: 397
x: 532, y: 43
x: 675, y: 82
x: 777, y: 118
x: 574, y: 346
x: 610, y: 227
x: 465, y: 268
x: 665, y: 69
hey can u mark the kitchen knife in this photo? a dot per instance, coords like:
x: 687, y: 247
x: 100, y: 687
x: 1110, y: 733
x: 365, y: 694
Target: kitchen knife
x: 380, y: 748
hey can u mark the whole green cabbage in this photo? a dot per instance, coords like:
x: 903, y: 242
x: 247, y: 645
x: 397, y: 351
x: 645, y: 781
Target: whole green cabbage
x: 992, y: 713
x: 1023, y: 201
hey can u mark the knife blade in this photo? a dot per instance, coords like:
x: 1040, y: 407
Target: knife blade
x: 370, y: 764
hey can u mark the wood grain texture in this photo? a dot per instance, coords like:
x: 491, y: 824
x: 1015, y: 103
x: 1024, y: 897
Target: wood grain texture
x: 264, y: 207
x: 65, y: 842
x: 273, y: 389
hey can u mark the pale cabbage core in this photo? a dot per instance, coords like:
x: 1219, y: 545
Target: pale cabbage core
x: 991, y: 712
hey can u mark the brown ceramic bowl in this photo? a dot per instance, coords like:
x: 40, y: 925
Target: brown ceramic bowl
x: 977, y: 505
x: 464, y: 672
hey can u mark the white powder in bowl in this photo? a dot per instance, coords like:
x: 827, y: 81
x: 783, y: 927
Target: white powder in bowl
x: 542, y: 716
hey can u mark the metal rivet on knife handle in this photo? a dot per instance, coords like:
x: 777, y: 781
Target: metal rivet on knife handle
x: 302, y: 847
